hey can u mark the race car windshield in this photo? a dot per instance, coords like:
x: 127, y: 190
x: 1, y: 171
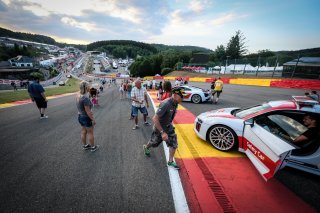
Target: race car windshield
x: 251, y: 110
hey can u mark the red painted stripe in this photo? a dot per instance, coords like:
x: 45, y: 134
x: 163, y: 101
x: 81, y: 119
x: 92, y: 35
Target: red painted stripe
x: 184, y: 117
x: 199, y: 196
x: 292, y: 105
x: 22, y: 102
x: 249, y: 192
x: 223, y: 116
x: 187, y: 95
x: 301, y: 84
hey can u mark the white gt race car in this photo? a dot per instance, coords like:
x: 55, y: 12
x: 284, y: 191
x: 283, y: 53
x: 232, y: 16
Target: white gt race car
x: 265, y: 133
x: 195, y: 95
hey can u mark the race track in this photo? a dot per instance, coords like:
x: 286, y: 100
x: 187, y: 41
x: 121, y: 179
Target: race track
x: 44, y: 168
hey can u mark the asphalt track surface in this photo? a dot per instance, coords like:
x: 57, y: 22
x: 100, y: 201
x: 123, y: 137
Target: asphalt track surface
x: 304, y: 185
x: 44, y: 169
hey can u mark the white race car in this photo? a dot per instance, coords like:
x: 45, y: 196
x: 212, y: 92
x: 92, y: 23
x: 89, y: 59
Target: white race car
x: 265, y: 133
x: 195, y: 95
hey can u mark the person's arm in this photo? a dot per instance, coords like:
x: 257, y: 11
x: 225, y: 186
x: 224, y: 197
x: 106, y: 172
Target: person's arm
x: 146, y: 98
x: 300, y: 139
x: 157, y: 125
x: 44, y: 96
x: 133, y: 96
x: 90, y: 114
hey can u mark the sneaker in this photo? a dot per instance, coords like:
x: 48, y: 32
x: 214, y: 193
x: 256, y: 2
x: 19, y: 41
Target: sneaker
x: 44, y: 117
x: 135, y: 127
x: 173, y: 165
x: 86, y: 147
x: 147, y: 123
x: 146, y: 151
x: 94, y: 148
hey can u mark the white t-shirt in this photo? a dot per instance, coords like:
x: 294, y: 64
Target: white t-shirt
x: 139, y: 95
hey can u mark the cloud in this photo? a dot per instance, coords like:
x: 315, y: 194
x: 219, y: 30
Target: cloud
x: 122, y: 10
x: 198, y: 6
x: 36, y: 9
x: 82, y: 25
x: 226, y: 19
x: 6, y: 2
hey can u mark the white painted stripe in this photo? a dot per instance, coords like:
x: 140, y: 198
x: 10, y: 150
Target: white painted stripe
x: 179, y: 198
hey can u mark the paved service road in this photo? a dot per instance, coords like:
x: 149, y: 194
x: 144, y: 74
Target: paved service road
x: 44, y: 169
x: 305, y: 185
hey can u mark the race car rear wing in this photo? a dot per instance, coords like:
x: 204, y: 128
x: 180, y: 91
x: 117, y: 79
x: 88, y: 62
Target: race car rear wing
x: 306, y: 103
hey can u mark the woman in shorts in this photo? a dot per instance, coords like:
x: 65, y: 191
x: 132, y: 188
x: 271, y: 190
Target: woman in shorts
x: 85, y: 117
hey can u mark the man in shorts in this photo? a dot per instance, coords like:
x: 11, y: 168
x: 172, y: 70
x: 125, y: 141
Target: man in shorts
x: 36, y: 92
x: 163, y: 129
x: 218, y: 86
x: 139, y: 102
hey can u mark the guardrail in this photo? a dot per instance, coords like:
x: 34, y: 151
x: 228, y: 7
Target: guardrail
x: 50, y: 81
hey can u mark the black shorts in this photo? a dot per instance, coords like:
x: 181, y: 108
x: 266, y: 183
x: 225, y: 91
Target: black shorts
x: 156, y: 139
x: 41, y: 102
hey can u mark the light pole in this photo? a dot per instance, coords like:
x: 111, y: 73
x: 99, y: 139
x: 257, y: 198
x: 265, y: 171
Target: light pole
x: 226, y: 65
x: 245, y: 64
x: 275, y: 66
x: 258, y: 63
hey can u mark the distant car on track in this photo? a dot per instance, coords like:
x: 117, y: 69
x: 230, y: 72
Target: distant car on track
x: 62, y: 83
x: 195, y: 95
x: 265, y: 133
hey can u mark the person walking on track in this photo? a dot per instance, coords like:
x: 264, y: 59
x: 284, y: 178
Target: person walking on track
x: 139, y: 102
x: 163, y: 129
x: 218, y: 86
x: 36, y: 93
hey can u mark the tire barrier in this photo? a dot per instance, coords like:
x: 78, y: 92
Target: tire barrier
x: 282, y: 83
x: 300, y: 84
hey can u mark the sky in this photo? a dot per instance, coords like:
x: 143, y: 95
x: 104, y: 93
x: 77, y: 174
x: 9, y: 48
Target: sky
x: 266, y: 24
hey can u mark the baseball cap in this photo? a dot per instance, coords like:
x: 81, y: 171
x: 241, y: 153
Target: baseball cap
x: 179, y: 91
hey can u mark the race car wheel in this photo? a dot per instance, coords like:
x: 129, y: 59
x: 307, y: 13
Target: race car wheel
x: 196, y: 99
x: 222, y: 137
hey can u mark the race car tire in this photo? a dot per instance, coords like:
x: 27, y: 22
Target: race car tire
x: 196, y: 99
x: 222, y: 138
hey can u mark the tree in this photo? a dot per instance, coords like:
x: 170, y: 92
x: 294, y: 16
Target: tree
x: 220, y: 53
x: 265, y: 53
x: 236, y: 46
x: 37, y: 75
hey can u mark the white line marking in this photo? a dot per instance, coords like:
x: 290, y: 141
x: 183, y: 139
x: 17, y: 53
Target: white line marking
x: 179, y: 198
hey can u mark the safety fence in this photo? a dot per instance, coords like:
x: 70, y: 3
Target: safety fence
x: 282, y: 83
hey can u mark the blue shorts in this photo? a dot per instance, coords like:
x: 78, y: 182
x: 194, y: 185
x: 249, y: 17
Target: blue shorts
x: 85, y: 121
x: 143, y: 110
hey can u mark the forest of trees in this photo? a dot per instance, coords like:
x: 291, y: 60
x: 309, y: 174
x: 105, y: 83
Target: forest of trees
x: 27, y: 36
x: 8, y: 52
x: 123, y: 48
x: 36, y: 38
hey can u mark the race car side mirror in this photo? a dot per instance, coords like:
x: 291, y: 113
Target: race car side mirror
x: 249, y: 122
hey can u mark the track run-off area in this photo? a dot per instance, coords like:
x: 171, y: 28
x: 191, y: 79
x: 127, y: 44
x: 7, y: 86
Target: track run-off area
x: 44, y: 168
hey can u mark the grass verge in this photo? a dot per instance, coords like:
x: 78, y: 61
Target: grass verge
x: 7, y: 97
